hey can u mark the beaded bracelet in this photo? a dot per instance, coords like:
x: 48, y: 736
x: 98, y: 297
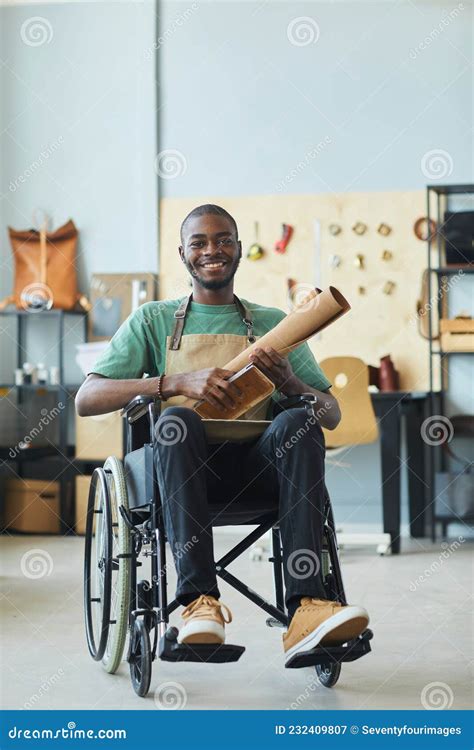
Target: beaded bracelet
x: 159, y: 393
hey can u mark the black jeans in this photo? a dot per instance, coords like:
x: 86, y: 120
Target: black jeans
x: 197, y: 480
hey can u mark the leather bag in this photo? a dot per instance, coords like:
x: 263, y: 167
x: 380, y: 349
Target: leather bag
x: 45, y: 268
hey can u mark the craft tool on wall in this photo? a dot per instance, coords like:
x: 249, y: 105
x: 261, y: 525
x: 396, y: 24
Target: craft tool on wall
x: 359, y: 228
x: 282, y: 244
x: 255, y: 251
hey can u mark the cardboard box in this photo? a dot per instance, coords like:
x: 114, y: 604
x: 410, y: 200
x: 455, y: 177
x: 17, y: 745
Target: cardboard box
x: 456, y: 325
x: 99, y: 437
x: 457, y: 342
x: 32, y: 506
x: 113, y: 297
x: 82, y: 496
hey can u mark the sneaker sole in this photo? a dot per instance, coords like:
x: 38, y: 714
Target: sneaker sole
x: 336, y: 630
x: 202, y: 631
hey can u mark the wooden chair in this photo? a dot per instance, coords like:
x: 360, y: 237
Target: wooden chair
x: 358, y: 426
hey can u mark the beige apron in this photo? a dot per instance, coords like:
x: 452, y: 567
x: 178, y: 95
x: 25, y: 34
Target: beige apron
x: 199, y: 351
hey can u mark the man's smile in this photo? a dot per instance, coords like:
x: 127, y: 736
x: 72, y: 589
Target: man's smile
x: 213, y: 265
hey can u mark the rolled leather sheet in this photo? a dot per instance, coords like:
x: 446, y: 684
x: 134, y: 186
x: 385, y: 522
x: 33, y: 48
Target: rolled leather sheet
x: 314, y: 313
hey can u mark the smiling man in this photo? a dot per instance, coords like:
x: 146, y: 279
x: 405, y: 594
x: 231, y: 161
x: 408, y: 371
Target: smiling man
x: 183, y: 346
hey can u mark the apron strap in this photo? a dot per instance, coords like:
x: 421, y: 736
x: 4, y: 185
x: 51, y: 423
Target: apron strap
x: 180, y: 316
x: 246, y: 316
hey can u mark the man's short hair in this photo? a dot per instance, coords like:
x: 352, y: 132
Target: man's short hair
x: 209, y: 208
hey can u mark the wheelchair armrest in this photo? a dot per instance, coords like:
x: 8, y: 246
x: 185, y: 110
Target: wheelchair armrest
x: 137, y: 408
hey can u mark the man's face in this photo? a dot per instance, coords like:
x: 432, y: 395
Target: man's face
x: 210, y: 250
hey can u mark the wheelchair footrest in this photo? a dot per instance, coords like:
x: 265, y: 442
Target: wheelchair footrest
x: 170, y: 650
x: 329, y: 654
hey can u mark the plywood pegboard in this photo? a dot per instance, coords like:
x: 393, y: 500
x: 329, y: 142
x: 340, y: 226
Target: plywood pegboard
x: 378, y: 324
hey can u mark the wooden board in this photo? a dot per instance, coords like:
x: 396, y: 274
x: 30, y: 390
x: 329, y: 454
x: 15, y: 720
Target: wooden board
x: 378, y: 324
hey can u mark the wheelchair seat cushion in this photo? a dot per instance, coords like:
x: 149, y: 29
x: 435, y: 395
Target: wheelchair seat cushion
x: 238, y: 494
x: 250, y: 511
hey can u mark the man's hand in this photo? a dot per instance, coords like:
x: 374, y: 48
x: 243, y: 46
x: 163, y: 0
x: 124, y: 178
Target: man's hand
x: 280, y: 372
x: 212, y: 385
x: 274, y: 366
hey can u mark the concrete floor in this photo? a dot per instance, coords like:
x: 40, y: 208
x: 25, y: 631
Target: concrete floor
x: 420, y: 606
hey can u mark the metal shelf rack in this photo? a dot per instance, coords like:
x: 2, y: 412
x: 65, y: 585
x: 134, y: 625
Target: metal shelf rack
x: 59, y: 456
x: 439, y: 196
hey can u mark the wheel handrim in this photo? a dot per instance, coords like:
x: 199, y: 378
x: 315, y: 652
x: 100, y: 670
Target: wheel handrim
x: 98, y: 571
x: 120, y: 566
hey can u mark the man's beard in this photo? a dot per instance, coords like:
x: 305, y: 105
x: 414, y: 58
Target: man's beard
x: 210, y: 283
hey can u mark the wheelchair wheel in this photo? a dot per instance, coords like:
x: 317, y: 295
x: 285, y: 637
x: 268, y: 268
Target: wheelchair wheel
x: 121, y: 566
x: 328, y: 674
x: 98, y: 565
x: 140, y: 658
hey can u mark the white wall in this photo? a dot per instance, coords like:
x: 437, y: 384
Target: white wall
x: 78, y: 123
x: 78, y: 140
x: 386, y: 82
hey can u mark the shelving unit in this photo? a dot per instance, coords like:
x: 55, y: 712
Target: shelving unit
x: 439, y: 195
x: 61, y: 452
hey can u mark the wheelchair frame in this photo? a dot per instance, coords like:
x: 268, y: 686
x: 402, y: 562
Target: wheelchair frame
x: 148, y: 607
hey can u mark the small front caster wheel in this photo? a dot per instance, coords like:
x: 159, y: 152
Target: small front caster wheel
x: 171, y: 634
x: 140, y: 658
x: 328, y: 674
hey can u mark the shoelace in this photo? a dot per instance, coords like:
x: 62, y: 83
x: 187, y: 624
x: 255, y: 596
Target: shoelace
x: 207, y: 601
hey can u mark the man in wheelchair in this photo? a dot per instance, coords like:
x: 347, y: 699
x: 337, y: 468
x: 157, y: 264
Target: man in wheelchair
x: 181, y: 346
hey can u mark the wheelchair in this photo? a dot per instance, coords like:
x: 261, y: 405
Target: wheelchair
x: 124, y: 528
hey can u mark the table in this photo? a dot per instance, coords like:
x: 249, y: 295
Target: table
x: 390, y: 407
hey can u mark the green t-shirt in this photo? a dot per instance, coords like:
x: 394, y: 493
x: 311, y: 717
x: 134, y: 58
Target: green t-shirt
x: 139, y: 346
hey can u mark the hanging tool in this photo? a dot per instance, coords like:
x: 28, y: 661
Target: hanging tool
x: 282, y: 244
x: 255, y: 250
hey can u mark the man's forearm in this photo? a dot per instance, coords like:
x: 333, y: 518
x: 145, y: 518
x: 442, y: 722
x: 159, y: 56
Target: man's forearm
x: 326, y: 409
x: 99, y: 395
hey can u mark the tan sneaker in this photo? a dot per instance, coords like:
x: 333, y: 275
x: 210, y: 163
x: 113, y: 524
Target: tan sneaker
x: 322, y: 622
x: 204, y: 621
